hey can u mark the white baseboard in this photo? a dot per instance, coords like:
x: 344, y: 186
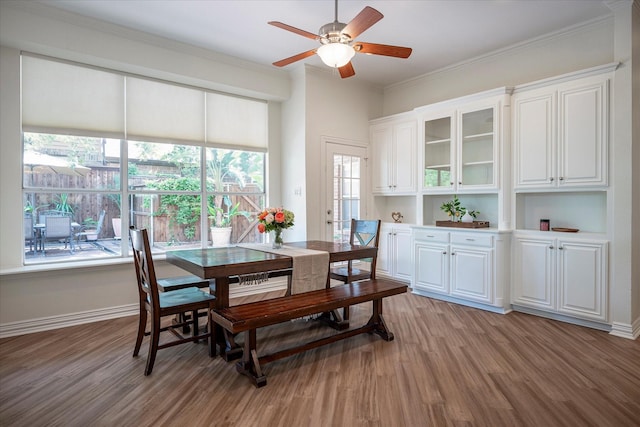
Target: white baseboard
x: 624, y: 330
x: 62, y: 321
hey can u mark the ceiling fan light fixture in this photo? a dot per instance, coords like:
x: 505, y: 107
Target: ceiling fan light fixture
x: 336, y: 55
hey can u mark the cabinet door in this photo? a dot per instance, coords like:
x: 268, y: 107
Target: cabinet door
x: 582, y: 290
x: 381, y: 142
x: 402, y: 246
x: 471, y: 273
x: 534, y: 273
x: 583, y: 135
x: 534, y: 139
x: 385, y: 254
x: 438, y: 154
x: 477, y: 158
x: 404, y: 158
x: 432, y: 267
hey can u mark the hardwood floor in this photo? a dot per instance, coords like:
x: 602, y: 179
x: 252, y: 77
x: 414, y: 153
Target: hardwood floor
x: 449, y: 365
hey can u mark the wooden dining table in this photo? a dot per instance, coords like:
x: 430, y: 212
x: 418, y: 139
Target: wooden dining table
x: 225, y: 263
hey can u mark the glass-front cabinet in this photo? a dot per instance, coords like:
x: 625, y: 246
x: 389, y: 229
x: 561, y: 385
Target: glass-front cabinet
x: 437, y: 153
x: 460, y: 150
x: 477, y: 148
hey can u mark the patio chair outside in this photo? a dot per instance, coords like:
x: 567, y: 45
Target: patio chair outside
x: 57, y: 228
x: 87, y: 232
x: 29, y: 232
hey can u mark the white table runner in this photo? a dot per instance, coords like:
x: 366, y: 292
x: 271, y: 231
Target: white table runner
x: 310, y: 268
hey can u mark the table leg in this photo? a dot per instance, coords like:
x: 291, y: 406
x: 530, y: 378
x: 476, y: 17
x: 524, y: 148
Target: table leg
x: 229, y: 350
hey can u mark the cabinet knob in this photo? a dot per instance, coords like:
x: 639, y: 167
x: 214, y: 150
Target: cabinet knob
x: 550, y: 247
x: 551, y: 179
x: 560, y: 248
x: 444, y: 253
x: 561, y: 178
x: 459, y: 182
x: 451, y: 183
x: 453, y: 253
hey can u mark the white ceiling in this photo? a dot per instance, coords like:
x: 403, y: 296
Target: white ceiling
x: 441, y: 33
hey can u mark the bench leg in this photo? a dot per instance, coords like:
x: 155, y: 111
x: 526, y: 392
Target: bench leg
x: 377, y: 321
x: 335, y: 320
x: 229, y: 349
x: 250, y: 364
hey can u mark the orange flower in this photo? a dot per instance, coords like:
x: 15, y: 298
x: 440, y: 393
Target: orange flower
x: 261, y: 227
x: 262, y: 215
x: 280, y: 217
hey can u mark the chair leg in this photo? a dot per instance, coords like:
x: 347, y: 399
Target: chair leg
x: 142, y: 324
x: 183, y: 318
x: 194, y: 316
x: 211, y: 329
x: 153, y: 345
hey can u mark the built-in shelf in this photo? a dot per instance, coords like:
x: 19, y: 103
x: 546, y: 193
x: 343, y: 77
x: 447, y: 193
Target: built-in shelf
x: 439, y: 167
x: 586, y: 211
x: 480, y: 163
x: 439, y: 141
x: 478, y: 136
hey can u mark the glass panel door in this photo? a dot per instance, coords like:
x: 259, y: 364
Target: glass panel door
x: 477, y: 148
x: 437, y: 153
x: 346, y: 187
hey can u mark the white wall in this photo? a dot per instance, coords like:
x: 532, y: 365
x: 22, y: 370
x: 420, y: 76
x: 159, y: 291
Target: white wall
x: 635, y: 113
x: 293, y: 156
x: 579, y: 48
x: 336, y: 108
x: 322, y: 105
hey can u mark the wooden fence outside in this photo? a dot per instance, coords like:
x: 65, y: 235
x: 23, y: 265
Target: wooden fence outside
x: 90, y: 205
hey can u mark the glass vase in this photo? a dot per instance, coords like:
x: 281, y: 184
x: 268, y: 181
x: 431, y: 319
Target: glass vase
x: 277, y: 238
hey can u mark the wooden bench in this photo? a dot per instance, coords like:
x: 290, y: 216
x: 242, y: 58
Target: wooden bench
x: 248, y: 317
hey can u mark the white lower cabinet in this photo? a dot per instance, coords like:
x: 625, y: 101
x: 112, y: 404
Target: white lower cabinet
x: 466, y: 267
x: 561, y: 275
x: 394, y: 251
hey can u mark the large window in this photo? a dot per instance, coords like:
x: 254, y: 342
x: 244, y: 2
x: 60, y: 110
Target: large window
x: 187, y: 164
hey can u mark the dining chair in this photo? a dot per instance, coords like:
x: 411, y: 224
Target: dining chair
x: 160, y: 305
x: 57, y: 228
x: 364, y: 233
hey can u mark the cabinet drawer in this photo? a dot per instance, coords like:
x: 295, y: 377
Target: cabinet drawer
x: 471, y: 240
x: 431, y: 236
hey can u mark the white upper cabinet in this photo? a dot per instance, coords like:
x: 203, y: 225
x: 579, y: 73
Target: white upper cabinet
x: 394, y: 146
x: 560, y: 134
x: 461, y: 142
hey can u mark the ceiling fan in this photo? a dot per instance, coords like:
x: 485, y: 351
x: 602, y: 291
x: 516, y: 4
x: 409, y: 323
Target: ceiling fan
x: 337, y: 42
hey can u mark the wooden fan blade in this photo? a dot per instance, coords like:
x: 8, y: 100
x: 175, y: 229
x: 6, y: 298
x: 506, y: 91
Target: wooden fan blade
x: 347, y: 71
x: 298, y: 31
x: 382, y: 49
x: 294, y: 58
x: 363, y: 21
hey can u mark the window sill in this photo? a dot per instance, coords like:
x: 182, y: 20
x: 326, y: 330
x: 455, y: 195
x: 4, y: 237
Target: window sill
x: 72, y: 265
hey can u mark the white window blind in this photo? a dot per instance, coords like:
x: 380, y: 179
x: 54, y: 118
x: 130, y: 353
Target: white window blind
x: 158, y: 111
x: 236, y: 121
x: 65, y: 98
x: 59, y: 97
